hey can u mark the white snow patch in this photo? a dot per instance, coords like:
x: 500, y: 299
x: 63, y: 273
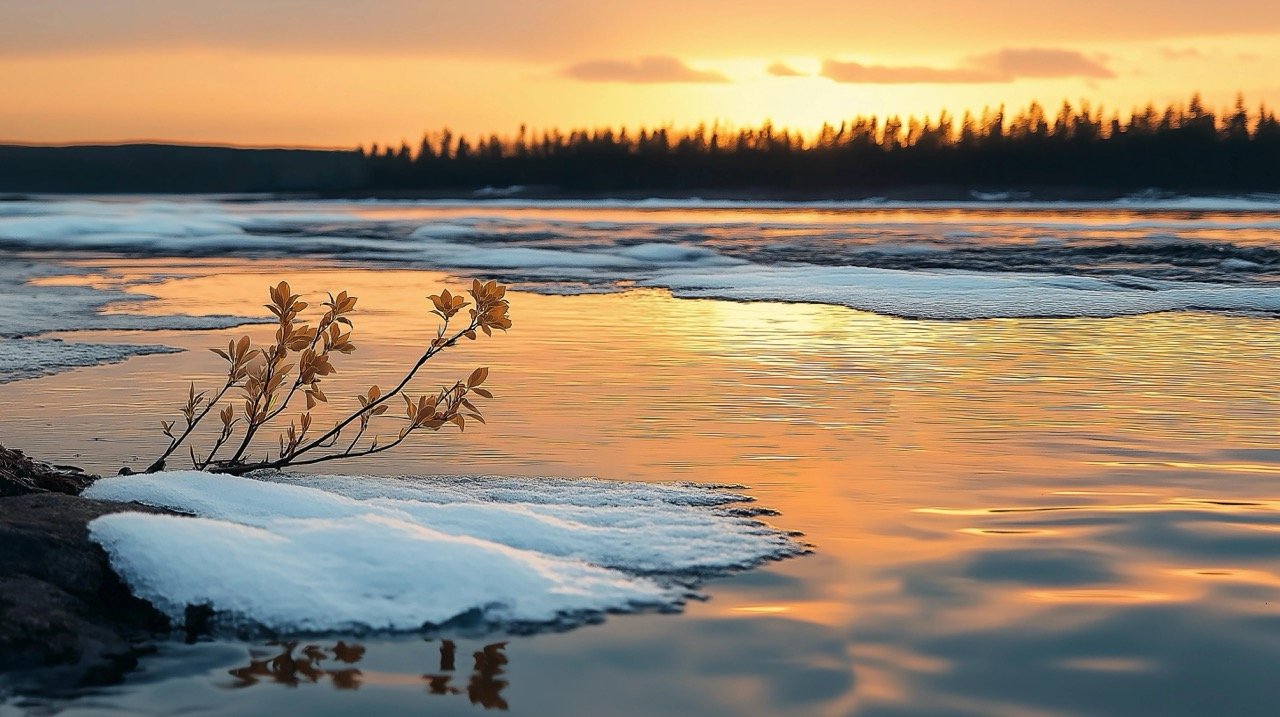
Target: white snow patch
x: 330, y: 553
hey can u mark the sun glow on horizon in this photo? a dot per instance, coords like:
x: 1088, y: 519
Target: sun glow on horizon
x: 209, y: 85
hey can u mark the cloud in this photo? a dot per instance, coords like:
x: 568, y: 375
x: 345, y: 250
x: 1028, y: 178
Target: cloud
x: 780, y: 69
x: 854, y: 72
x: 646, y: 70
x: 1035, y: 62
x: 1002, y: 66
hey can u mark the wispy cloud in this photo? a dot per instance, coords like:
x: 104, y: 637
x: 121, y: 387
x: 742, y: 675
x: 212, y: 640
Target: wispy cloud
x: 1040, y: 62
x: 781, y: 69
x: 1002, y: 66
x: 646, y: 70
x: 854, y: 72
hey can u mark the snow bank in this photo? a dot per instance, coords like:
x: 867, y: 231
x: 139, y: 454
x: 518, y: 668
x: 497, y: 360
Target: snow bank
x: 964, y: 295
x: 329, y: 553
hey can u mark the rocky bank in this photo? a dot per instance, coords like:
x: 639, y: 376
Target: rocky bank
x: 66, y: 619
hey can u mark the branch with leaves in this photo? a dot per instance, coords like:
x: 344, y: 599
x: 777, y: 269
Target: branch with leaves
x: 267, y: 378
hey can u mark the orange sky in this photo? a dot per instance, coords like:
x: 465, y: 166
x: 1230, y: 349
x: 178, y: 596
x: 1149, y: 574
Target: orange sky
x: 287, y: 72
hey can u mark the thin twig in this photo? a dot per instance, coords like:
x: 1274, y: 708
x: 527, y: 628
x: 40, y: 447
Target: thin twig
x: 158, y: 465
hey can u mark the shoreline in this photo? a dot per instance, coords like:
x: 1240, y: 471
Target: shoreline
x: 976, y: 195
x: 963, y: 193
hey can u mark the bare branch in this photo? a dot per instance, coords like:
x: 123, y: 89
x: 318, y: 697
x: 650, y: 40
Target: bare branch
x: 260, y: 373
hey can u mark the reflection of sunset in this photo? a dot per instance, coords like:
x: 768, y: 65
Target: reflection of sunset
x: 1000, y: 471
x: 1125, y: 596
x: 820, y: 358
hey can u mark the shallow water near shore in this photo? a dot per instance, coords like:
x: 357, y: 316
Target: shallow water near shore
x: 1010, y: 516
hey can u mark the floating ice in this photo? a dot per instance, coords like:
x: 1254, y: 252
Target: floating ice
x: 626, y: 260
x: 963, y: 295
x: 994, y: 258
x: 32, y: 358
x: 330, y: 553
x: 28, y: 307
x: 442, y: 230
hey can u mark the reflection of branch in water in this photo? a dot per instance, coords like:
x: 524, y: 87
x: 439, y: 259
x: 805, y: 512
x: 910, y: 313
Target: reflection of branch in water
x: 447, y: 652
x: 307, y: 667
x: 484, y: 688
x: 349, y: 654
x: 292, y: 670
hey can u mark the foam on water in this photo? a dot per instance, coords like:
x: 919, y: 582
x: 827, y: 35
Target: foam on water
x: 331, y: 553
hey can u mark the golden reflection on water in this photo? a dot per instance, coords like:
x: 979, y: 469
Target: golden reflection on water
x: 957, y: 478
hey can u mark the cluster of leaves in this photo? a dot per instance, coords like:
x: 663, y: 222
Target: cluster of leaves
x: 267, y: 378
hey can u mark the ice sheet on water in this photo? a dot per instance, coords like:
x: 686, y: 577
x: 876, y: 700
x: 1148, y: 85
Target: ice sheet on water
x: 967, y: 295
x: 625, y: 260
x: 975, y: 259
x: 32, y: 358
x: 28, y: 307
x: 28, y: 310
x: 329, y: 553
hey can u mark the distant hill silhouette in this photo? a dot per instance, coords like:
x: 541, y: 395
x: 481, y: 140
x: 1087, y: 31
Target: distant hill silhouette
x: 1180, y: 148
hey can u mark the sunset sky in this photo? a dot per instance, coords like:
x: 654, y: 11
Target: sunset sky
x: 339, y: 73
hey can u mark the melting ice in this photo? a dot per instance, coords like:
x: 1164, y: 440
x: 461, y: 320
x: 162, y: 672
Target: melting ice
x: 324, y: 553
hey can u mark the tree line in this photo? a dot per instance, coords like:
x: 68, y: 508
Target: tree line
x: 1076, y: 149
x: 1182, y: 146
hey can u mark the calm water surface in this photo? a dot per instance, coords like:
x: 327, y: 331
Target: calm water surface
x: 1010, y: 517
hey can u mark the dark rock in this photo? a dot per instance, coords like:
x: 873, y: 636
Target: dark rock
x: 198, y: 622
x: 60, y: 602
x: 19, y: 475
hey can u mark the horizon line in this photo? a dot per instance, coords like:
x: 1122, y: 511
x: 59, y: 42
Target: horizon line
x: 1000, y: 108
x: 216, y: 144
